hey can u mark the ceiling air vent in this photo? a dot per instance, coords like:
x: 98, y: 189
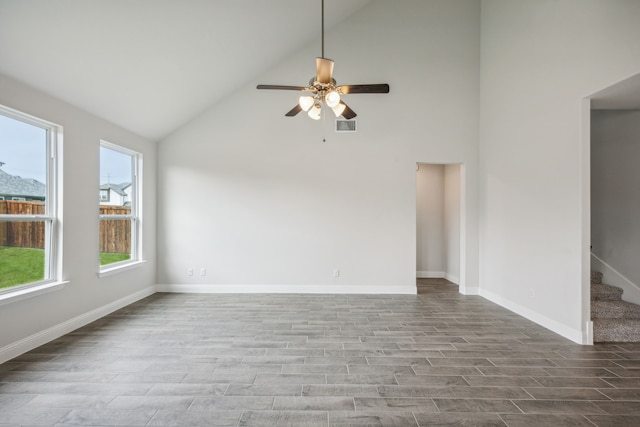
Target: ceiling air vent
x: 345, y: 125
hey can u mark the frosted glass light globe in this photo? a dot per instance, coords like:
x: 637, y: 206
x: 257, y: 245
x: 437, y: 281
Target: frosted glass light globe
x: 306, y: 102
x: 332, y: 98
x: 314, y: 112
x: 338, y: 109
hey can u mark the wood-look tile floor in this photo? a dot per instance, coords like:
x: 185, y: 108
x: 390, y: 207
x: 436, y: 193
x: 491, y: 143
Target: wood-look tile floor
x: 437, y: 358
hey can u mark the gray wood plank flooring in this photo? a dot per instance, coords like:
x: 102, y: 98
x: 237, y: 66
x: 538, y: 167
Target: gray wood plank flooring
x: 437, y: 358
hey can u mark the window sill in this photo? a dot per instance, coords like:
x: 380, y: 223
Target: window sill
x: 30, y: 291
x: 108, y: 271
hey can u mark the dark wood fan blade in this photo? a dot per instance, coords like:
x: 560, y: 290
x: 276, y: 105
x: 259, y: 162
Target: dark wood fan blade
x: 324, y: 70
x: 375, y: 88
x: 280, y: 87
x: 295, y: 110
x: 348, y: 113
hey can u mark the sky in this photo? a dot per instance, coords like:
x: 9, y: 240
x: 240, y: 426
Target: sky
x: 23, y: 152
x: 23, y: 149
x: 115, y: 167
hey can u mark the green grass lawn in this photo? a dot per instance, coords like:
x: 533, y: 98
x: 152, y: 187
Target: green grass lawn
x: 110, y: 258
x: 20, y: 265
x: 24, y: 265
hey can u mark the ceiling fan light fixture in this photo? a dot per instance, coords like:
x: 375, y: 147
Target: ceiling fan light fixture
x: 338, y: 109
x: 324, y: 89
x: 306, y: 102
x: 332, y: 98
x: 315, y: 111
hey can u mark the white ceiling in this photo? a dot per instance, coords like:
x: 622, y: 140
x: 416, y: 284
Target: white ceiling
x: 152, y: 65
x: 624, y: 95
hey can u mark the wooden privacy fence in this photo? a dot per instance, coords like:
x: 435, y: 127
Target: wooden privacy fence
x: 18, y: 233
x: 115, y: 234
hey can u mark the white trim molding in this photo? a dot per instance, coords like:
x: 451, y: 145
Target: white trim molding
x: 117, y: 268
x: 285, y: 289
x: 23, y: 292
x: 574, y: 335
x: 438, y: 275
x: 431, y: 274
x: 470, y: 290
x: 24, y: 345
x: 587, y: 337
x: 452, y: 278
x: 613, y: 277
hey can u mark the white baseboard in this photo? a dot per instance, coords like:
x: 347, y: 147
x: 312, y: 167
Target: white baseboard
x: 612, y: 277
x: 430, y: 274
x: 574, y: 335
x: 587, y: 337
x: 468, y: 290
x: 438, y: 275
x: 17, y: 348
x: 452, y: 278
x: 285, y: 289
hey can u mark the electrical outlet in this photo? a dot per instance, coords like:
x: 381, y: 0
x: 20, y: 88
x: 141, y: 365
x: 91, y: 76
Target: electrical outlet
x: 203, y: 271
x: 336, y: 272
x: 189, y: 271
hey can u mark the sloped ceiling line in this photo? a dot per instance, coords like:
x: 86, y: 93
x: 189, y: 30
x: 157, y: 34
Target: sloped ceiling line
x: 152, y: 65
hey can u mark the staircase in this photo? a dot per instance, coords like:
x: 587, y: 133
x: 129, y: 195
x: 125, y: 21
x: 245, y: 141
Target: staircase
x: 614, y: 320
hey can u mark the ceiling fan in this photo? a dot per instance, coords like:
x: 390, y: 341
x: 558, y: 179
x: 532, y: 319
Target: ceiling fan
x: 323, y: 89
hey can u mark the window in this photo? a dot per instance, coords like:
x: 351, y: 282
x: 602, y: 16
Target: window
x: 29, y: 226
x: 120, y: 224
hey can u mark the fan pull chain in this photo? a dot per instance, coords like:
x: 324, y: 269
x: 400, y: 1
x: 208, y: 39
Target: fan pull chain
x: 324, y: 126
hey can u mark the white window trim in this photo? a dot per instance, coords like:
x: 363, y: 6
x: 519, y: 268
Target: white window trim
x: 20, y: 292
x: 135, y: 216
x: 52, y: 216
x: 117, y: 267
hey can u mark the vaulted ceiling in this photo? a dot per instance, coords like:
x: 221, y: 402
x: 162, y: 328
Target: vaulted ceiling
x: 624, y: 95
x: 152, y: 65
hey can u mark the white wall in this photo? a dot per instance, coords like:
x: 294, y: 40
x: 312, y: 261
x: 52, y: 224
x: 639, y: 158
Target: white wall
x: 615, y: 190
x: 539, y: 60
x: 263, y: 204
x: 452, y: 207
x: 29, y: 322
x: 430, y: 251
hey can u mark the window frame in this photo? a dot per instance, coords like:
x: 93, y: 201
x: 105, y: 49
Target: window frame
x: 52, y: 217
x: 135, y: 215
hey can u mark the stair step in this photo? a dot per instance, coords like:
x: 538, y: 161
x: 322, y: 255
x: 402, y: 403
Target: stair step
x: 616, y: 330
x: 596, y: 277
x: 604, y: 292
x: 614, y: 310
x: 614, y: 320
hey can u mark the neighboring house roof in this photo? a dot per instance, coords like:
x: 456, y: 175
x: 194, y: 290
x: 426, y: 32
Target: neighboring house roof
x: 11, y: 185
x: 118, y: 188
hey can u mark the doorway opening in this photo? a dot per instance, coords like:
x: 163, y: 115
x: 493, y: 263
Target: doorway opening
x: 439, y: 224
x: 611, y: 208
